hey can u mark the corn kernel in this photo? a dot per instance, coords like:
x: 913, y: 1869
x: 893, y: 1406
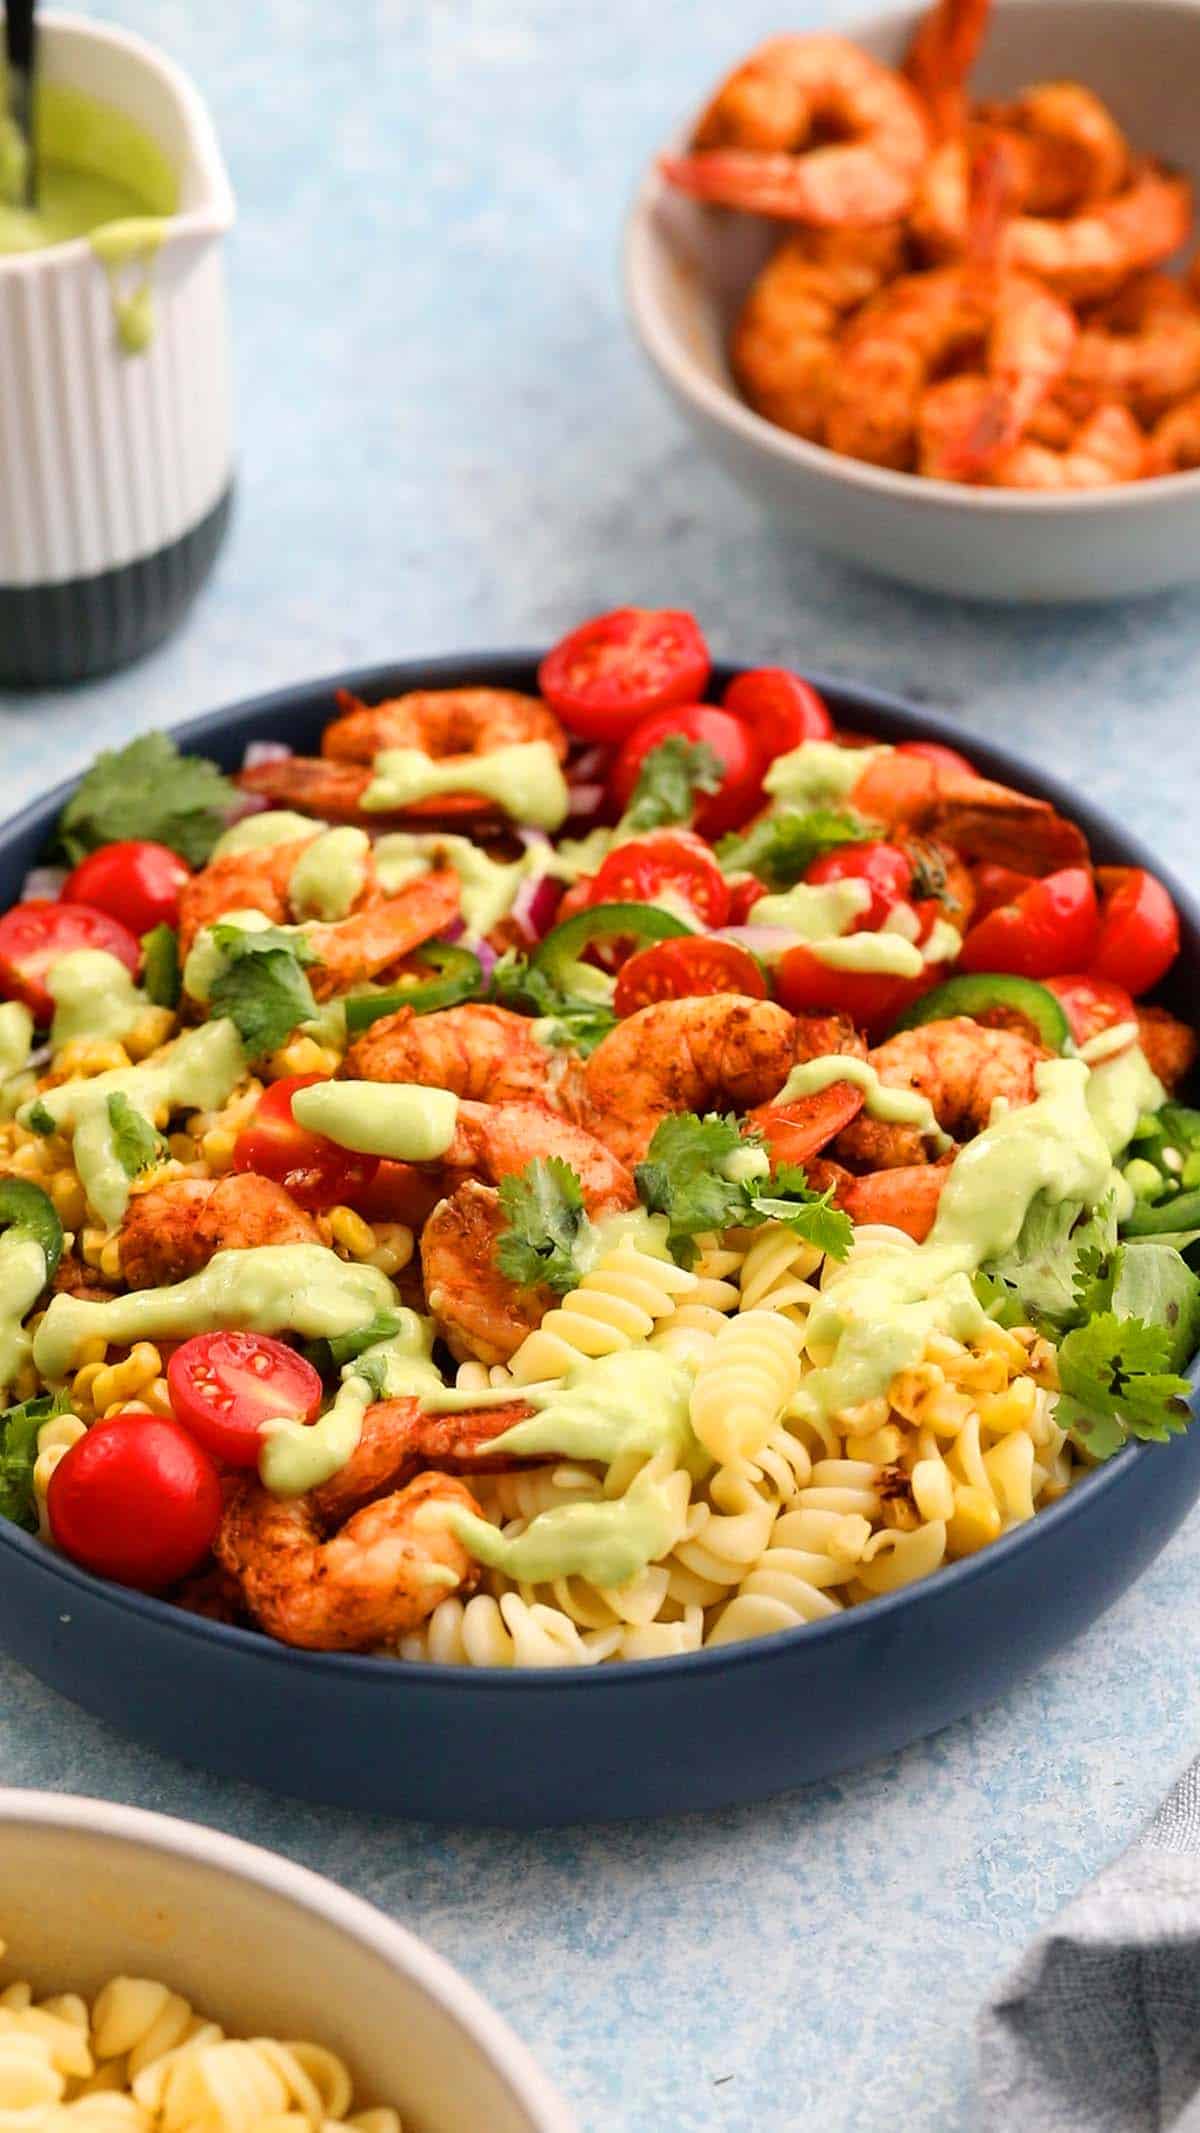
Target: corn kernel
x: 91, y: 1244
x: 393, y: 1247
x: 881, y: 1448
x: 93, y: 1350
x: 911, y: 1388
x: 83, y: 1388
x: 933, y: 1490
x: 302, y: 1055
x: 861, y: 1420
x: 115, y: 1384
x: 217, y: 1148
x: 68, y: 1198
x: 82, y: 1058
x: 348, y: 1230
x: 151, y: 1030
x: 976, y: 1521
x: 945, y: 1411
x: 1012, y: 1409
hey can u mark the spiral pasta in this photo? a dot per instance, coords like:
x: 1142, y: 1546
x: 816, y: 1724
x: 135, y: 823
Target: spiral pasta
x: 55, y: 1439
x: 776, y: 1273
x: 744, y: 1384
x: 616, y: 1306
x: 505, y: 1632
x: 142, y: 2061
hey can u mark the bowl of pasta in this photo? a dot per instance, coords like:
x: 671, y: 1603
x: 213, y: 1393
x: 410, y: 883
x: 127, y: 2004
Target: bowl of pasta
x: 632, y: 1211
x: 141, y: 1987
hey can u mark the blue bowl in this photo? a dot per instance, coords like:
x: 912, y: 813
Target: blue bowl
x: 529, y: 1749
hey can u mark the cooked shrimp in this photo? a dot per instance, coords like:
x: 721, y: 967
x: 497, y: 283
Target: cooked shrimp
x: 962, y: 1068
x: 494, y: 1141
x: 1090, y: 254
x: 478, y: 1311
x: 173, y: 1229
x: 350, y: 950
x: 482, y: 1052
x: 752, y: 147
x: 312, y: 785
x: 1106, y: 449
x: 241, y: 881
x: 920, y: 324
x: 786, y: 340
x: 980, y: 819
x: 939, y: 873
x: 1143, y: 347
x: 940, y: 58
x: 399, y: 1439
x: 1170, y: 1046
x: 1174, y: 446
x: 442, y: 723
x: 1069, y: 148
x: 381, y: 1575
x: 965, y: 424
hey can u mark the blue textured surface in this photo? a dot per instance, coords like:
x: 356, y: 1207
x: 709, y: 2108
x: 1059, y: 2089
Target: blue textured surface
x: 447, y: 439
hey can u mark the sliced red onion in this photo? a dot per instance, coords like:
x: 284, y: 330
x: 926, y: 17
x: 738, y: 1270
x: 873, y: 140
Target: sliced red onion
x: 486, y: 956
x: 586, y: 801
x: 47, y: 882
x: 246, y: 803
x: 768, y: 943
x: 535, y: 903
x: 590, y: 763
x: 455, y: 930
x: 535, y: 840
x: 265, y: 752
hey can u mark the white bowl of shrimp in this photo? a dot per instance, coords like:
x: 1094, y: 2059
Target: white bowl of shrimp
x: 1106, y: 380
x: 156, y: 1975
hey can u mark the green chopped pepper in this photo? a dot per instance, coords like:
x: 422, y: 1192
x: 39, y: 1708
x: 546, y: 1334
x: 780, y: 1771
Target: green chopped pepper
x: 1153, y: 1218
x: 27, y: 1215
x: 560, y: 955
x: 997, y: 999
x: 455, y: 974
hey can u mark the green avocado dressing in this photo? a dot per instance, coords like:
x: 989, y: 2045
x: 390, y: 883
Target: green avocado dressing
x: 16, y: 1044
x: 22, y: 1279
x: 257, y: 833
x: 271, y: 1288
x: 488, y: 885
x: 330, y: 875
x: 821, y: 916
x: 102, y: 177
x: 198, y: 1072
x: 636, y: 1403
x: 297, y: 1457
x: 900, y: 1107
x: 525, y: 780
x: 1118, y: 1092
x: 879, y: 1308
x: 400, y: 1120
x: 818, y: 773
x: 94, y: 996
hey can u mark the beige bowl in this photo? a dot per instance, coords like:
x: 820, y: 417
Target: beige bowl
x: 89, y: 1890
x: 688, y: 268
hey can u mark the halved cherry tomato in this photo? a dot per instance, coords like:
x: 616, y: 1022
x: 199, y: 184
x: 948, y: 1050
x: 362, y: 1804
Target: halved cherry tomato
x: 136, y: 1500
x: 224, y: 1386
x: 886, y: 872
x: 681, y: 969
x: 743, y: 895
x: 796, y: 1132
x: 1048, y: 929
x: 1139, y: 929
x: 610, y: 672
x: 136, y: 882
x: 314, y: 1170
x: 1091, y: 1005
x: 937, y: 752
x: 665, y: 862
x: 872, y: 999
x: 996, y: 885
x: 740, y: 791
x: 780, y: 709
x: 34, y: 935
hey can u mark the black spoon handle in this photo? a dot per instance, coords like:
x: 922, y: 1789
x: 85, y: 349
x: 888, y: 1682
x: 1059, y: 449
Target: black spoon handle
x: 20, y: 40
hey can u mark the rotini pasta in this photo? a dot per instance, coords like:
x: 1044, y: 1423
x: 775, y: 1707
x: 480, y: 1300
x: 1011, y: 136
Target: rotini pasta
x: 617, y: 1305
x: 744, y: 1384
x: 142, y: 2061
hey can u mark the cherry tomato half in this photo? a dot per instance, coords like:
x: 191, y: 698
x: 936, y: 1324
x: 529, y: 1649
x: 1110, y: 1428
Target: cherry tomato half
x: 136, y: 1500
x: 1091, y: 1005
x: 34, y: 935
x: 938, y: 753
x: 666, y: 862
x: 1048, y: 929
x: 743, y: 895
x: 136, y: 882
x: 224, y: 1386
x: 681, y: 969
x: 780, y: 709
x: 740, y: 791
x: 313, y: 1169
x: 872, y: 999
x: 995, y: 885
x: 1139, y: 930
x: 610, y: 672
x: 886, y: 871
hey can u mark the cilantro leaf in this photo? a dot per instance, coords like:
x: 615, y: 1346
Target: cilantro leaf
x: 577, y: 1023
x: 808, y: 1213
x: 681, y: 1178
x: 1116, y: 1383
x: 544, y: 1206
x: 780, y: 847
x: 19, y: 1428
x: 263, y: 988
x: 137, y: 1144
x: 344, y: 1347
x: 41, y: 1120
x: 999, y: 1300
x: 160, y: 966
x: 147, y: 789
x: 667, y: 784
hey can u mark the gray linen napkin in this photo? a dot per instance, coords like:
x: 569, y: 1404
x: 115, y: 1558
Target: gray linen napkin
x: 1098, y: 2028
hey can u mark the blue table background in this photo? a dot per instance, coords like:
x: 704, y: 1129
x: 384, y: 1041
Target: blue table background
x: 447, y: 440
